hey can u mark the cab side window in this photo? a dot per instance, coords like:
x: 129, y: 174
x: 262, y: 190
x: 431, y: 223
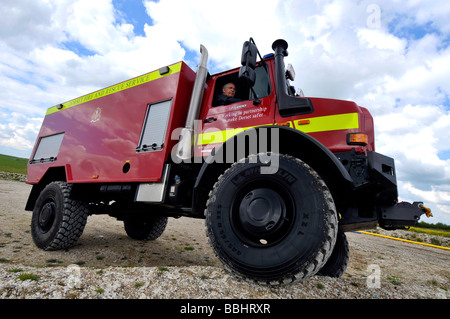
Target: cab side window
x: 243, y: 91
x: 262, y: 84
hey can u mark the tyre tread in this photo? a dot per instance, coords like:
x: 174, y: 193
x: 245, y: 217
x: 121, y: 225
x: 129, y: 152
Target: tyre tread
x: 303, y: 272
x: 75, y: 214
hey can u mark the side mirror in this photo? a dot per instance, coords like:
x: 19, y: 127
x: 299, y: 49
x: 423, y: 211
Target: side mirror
x: 248, y: 57
x: 290, y: 73
x: 248, y: 62
x: 248, y: 75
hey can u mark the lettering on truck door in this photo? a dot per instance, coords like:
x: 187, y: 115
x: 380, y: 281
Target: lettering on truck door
x: 251, y: 107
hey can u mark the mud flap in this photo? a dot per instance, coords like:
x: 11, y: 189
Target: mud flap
x: 401, y: 215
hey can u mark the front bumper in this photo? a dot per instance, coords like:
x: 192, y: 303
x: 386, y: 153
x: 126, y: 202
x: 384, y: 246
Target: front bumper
x: 374, y: 198
x: 399, y: 215
x: 402, y: 214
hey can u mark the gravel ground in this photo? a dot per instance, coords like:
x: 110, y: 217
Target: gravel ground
x: 106, y: 264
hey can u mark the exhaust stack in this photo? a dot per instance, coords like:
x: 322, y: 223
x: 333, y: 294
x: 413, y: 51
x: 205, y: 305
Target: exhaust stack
x: 288, y: 105
x: 186, y: 143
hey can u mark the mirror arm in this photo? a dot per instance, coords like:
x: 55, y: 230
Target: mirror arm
x: 259, y: 54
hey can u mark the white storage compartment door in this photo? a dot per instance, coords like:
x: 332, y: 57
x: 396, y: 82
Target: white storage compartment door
x: 155, y: 127
x: 48, y: 148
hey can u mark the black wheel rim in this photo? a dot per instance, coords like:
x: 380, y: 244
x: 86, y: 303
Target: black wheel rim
x: 47, y: 216
x: 262, y: 214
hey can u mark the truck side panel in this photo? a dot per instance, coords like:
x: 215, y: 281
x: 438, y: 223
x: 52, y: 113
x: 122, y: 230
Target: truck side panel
x: 102, y: 136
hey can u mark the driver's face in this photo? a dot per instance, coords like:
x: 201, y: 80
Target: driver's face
x: 229, y: 90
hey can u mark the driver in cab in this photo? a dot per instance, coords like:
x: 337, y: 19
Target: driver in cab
x: 227, y: 95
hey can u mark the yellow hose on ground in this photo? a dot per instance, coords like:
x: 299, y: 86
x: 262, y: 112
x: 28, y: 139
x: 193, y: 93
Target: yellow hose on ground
x: 405, y: 240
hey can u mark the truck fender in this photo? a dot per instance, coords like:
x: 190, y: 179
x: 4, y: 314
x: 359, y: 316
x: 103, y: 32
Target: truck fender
x: 51, y: 175
x: 276, y: 139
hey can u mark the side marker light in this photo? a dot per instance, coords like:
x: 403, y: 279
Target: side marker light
x: 357, y: 139
x: 303, y: 122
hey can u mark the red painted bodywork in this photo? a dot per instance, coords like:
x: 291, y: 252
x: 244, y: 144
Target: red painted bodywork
x: 96, y: 152
x: 336, y: 140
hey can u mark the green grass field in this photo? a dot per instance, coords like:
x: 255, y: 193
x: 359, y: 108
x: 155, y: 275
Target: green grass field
x: 13, y: 164
x: 442, y: 233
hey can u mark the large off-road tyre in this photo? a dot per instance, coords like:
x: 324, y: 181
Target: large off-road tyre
x: 57, y: 221
x: 145, y: 228
x: 338, y: 261
x: 271, y: 228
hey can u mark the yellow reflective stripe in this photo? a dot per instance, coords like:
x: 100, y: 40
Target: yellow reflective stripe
x: 315, y: 124
x: 218, y: 136
x: 329, y: 123
x: 116, y: 88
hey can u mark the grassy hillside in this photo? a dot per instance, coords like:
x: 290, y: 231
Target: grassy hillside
x: 13, y: 164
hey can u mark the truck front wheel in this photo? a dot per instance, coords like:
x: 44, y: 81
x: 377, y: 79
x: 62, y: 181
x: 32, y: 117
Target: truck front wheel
x: 57, y: 221
x: 273, y: 228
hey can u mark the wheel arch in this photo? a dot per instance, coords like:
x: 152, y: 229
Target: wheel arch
x: 51, y: 175
x: 321, y: 159
x: 290, y: 142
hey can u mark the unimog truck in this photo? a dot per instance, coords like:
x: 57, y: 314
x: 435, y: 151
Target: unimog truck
x: 278, y: 177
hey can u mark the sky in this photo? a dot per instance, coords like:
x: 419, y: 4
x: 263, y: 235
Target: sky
x: 392, y: 57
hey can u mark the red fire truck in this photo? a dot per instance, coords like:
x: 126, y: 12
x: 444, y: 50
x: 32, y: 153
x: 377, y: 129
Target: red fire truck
x: 279, y: 177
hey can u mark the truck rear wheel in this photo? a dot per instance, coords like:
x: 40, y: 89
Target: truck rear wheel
x: 273, y: 228
x: 145, y: 228
x: 338, y: 261
x: 57, y: 221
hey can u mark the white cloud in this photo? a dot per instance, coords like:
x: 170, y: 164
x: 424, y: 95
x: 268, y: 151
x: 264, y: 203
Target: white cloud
x: 93, y: 24
x: 20, y: 132
x: 377, y: 38
x: 27, y: 24
x: 414, y: 136
x: 428, y: 12
x: 220, y: 27
x: 437, y: 198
